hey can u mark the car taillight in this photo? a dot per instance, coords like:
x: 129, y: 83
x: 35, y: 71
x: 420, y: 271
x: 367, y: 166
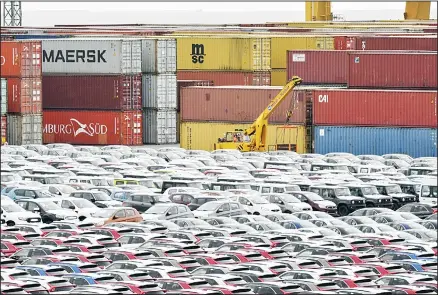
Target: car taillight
x: 435, y: 210
x: 52, y: 288
x: 274, y: 244
x: 274, y: 272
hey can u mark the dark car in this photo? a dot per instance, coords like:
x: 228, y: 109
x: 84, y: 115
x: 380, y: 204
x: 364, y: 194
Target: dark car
x: 316, y: 202
x: 371, y: 195
x: 142, y: 202
x: 419, y: 210
x: 394, y: 190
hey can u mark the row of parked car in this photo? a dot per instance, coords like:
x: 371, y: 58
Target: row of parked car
x: 122, y: 220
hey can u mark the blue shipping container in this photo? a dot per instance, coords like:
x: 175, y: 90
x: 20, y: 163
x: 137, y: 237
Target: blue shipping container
x: 416, y: 142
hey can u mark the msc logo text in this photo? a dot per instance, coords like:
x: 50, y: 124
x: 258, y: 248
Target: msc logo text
x: 198, y: 53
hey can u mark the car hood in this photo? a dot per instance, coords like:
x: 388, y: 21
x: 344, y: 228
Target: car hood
x: 350, y: 198
x: 153, y: 216
x: 64, y: 213
x: 86, y: 211
x: 300, y: 205
x: 376, y: 197
x: 203, y: 213
x: 401, y: 195
x: 112, y: 203
x: 96, y: 220
x: 268, y: 207
x: 325, y: 204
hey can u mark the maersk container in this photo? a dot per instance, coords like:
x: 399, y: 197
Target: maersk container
x: 4, y: 96
x: 416, y: 142
x: 159, y: 126
x: 92, y: 56
x: 158, y: 56
x: 25, y: 129
x: 159, y: 91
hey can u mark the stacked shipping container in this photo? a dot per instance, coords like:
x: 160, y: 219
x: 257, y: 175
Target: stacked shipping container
x: 21, y: 98
x: 93, y: 91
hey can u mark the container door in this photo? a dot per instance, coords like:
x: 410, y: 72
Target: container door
x: 166, y: 56
x: 149, y: 57
x: 4, y: 97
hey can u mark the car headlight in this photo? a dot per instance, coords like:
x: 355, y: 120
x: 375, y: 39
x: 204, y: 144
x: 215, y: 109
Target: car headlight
x: 380, y: 201
x: 99, y: 223
x: 352, y: 202
x: 403, y: 199
x: 22, y: 218
x: 59, y: 216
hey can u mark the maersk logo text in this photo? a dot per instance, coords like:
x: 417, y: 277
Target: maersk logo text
x: 89, y: 56
x: 198, y: 53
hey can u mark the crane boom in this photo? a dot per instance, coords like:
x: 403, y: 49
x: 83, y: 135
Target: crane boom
x: 417, y: 10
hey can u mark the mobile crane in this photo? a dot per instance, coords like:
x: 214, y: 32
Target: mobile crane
x: 258, y: 129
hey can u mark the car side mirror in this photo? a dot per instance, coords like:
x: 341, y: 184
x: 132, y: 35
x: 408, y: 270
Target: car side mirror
x: 72, y: 207
x: 168, y: 213
x: 1, y: 212
x: 248, y: 204
x: 93, y: 200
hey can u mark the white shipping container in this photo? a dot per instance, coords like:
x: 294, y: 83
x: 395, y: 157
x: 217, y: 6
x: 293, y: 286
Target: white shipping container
x: 91, y: 56
x: 4, y: 96
x: 159, y: 126
x: 159, y: 91
x: 25, y: 129
x: 158, y: 56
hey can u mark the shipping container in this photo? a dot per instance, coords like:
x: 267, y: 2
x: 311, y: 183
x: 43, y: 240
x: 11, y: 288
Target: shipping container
x: 204, y: 136
x: 428, y: 43
x: 25, y: 95
x: 24, y: 129
x: 20, y: 59
x: 225, y: 78
x: 4, y: 128
x: 92, y: 56
x: 159, y: 126
x: 416, y: 142
x: 158, y: 56
x: 224, y: 53
x: 238, y: 104
x: 122, y: 92
x: 4, y: 96
x: 278, y: 77
x: 178, y: 126
x: 357, y: 107
x: 92, y: 127
x: 392, y: 70
x: 159, y: 91
x: 187, y: 83
x: 280, y: 46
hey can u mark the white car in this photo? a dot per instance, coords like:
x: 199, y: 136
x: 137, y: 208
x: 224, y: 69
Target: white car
x: 254, y: 204
x: 13, y: 214
x: 84, y: 208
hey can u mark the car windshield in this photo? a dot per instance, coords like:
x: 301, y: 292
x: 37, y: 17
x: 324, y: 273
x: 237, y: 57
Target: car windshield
x: 258, y: 200
x: 210, y: 206
x: 158, y: 209
x: 429, y: 234
x: 393, y: 189
x: 11, y: 207
x: 161, y: 199
x: 314, y: 197
x: 44, y: 194
x: 53, y: 180
x: 104, y: 213
x: 82, y: 203
x: 290, y: 199
x: 99, y: 181
x: 100, y: 196
x: 370, y: 190
x: 342, y: 192
x: 430, y: 191
x: 6, y: 178
x: 65, y: 189
x: 49, y: 205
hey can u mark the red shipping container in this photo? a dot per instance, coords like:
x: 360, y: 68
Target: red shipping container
x: 356, y: 107
x: 188, y: 83
x: 20, y: 59
x: 92, y: 92
x: 92, y: 127
x: 4, y: 128
x: 238, y: 104
x: 24, y: 95
x: 392, y: 70
x: 228, y: 78
x: 427, y: 43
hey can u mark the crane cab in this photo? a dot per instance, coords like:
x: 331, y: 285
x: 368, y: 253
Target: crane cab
x: 232, y: 140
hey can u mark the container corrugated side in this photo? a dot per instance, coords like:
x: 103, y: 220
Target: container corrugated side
x: 278, y: 77
x: 4, y: 96
x: 203, y: 136
x: 392, y: 70
x: 24, y: 129
x: 121, y: 92
x: 187, y: 83
x: 4, y: 128
x: 20, y: 59
x: 91, y: 56
x: 159, y: 91
x: 158, y: 56
x: 25, y: 95
x: 159, y: 126
x: 356, y: 107
x: 416, y: 142
x: 225, y: 78
x: 376, y: 42
x: 223, y: 53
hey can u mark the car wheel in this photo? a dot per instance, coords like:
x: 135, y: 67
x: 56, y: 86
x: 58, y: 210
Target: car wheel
x: 10, y: 223
x: 47, y: 220
x: 287, y: 212
x: 343, y: 210
x: 370, y: 205
x: 256, y: 213
x: 395, y: 205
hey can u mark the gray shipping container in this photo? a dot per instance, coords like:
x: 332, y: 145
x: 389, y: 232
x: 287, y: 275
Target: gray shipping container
x: 159, y: 91
x: 158, y: 56
x: 25, y: 129
x: 159, y: 126
x: 4, y: 96
x: 91, y: 56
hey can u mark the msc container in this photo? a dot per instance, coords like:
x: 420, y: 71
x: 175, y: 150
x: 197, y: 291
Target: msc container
x: 159, y: 91
x: 20, y: 58
x: 357, y: 107
x: 158, y: 56
x: 24, y: 129
x: 92, y: 127
x: 280, y: 46
x: 238, y: 104
x: 187, y: 83
x: 122, y: 92
x: 204, y: 136
x: 392, y: 70
x: 159, y: 126
x: 25, y: 95
x: 4, y: 96
x: 428, y: 43
x: 223, y: 78
x: 92, y: 56
x: 4, y: 128
x: 248, y: 53
x: 416, y: 142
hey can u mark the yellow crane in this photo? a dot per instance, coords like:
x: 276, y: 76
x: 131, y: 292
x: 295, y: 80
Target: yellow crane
x: 257, y: 132
x: 322, y: 11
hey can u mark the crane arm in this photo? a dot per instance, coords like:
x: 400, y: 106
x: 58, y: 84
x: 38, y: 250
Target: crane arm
x: 416, y: 10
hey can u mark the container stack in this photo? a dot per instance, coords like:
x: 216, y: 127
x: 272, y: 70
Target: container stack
x: 93, y: 91
x: 21, y: 95
x: 159, y: 91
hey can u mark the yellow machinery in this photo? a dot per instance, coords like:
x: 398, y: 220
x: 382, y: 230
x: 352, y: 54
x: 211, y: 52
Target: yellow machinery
x: 322, y: 11
x: 258, y: 130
